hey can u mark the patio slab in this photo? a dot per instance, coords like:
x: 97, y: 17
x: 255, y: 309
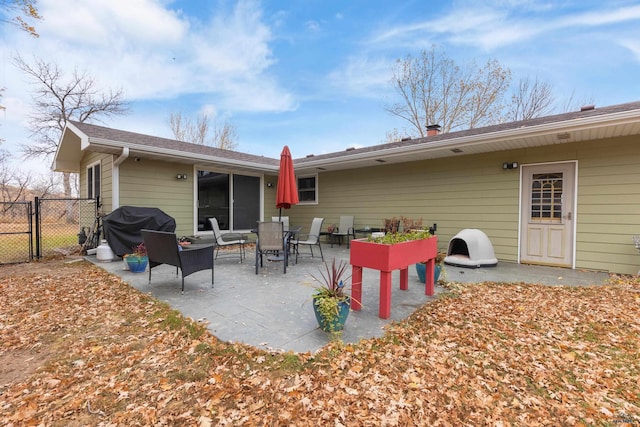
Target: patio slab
x: 273, y: 311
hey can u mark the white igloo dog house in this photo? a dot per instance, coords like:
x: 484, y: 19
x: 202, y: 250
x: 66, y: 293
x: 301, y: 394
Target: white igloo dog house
x: 471, y: 248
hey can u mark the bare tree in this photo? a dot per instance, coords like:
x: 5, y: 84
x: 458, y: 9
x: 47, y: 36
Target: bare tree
x: 184, y: 129
x: 395, y: 135
x: 24, y: 10
x: 13, y: 183
x: 571, y: 104
x: 58, y: 99
x: 434, y: 89
x: 531, y: 99
x: 46, y: 184
x: 226, y: 136
x: 1, y: 107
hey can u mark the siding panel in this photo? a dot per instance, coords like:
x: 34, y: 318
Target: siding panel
x: 475, y: 192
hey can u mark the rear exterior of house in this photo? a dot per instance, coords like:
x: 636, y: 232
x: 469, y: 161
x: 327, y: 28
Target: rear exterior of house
x: 572, y: 203
x: 588, y: 225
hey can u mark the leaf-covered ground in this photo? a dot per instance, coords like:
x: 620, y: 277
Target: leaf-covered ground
x: 81, y: 347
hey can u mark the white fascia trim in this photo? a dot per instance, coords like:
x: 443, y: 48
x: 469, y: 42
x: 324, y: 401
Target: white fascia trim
x: 467, y: 141
x: 175, y: 154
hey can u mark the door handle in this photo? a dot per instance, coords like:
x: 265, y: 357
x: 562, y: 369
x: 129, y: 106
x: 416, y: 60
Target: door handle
x: 568, y: 216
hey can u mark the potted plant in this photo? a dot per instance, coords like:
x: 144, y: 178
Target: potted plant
x: 438, y: 270
x: 138, y: 260
x: 330, y: 302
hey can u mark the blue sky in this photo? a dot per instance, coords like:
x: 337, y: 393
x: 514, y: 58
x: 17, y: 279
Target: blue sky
x: 313, y: 75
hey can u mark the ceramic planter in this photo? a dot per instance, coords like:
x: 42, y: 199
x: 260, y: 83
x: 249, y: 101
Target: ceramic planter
x: 137, y: 264
x: 421, y: 269
x: 338, y: 323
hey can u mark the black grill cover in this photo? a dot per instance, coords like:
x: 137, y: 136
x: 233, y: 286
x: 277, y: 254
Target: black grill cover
x: 122, y: 226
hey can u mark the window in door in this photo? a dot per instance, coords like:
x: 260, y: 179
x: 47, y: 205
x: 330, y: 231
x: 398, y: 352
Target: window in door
x: 546, y: 197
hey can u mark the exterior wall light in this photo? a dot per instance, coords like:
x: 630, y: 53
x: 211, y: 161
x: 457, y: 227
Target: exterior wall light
x: 510, y: 165
x: 181, y: 176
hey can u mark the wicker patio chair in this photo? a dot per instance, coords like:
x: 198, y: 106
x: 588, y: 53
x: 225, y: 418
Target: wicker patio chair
x: 162, y: 248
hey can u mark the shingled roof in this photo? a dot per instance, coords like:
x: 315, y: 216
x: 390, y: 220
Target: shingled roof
x: 585, y: 112
x: 578, y: 126
x: 97, y: 133
x: 587, y: 124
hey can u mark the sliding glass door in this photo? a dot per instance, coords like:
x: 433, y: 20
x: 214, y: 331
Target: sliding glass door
x: 231, y: 198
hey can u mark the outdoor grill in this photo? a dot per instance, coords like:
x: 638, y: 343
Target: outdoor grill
x: 122, y: 226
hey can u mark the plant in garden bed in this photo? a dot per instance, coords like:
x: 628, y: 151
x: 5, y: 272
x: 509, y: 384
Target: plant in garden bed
x: 330, y: 302
x: 391, y: 238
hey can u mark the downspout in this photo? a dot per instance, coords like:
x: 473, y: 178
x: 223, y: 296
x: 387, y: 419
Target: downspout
x: 115, y: 179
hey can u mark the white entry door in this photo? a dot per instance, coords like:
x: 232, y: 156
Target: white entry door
x: 547, y: 222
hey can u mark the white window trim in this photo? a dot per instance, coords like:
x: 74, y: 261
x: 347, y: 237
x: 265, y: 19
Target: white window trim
x: 313, y: 202
x: 92, y: 166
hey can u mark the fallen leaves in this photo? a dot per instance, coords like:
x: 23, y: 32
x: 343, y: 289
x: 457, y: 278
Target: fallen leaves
x: 502, y: 354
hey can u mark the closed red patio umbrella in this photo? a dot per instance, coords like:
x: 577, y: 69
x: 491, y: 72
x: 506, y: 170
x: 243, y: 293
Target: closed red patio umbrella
x: 287, y: 191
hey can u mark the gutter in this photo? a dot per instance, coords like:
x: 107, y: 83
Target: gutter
x: 115, y: 178
x: 122, y: 157
x: 579, y: 123
x: 176, y: 154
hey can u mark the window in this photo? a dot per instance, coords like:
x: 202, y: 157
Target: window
x: 93, y: 181
x: 308, y: 189
x: 546, y: 197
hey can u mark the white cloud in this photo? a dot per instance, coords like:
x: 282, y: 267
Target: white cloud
x: 606, y: 16
x: 633, y: 45
x: 155, y: 53
x: 502, y: 24
x: 363, y: 76
x: 312, y: 25
x: 108, y: 22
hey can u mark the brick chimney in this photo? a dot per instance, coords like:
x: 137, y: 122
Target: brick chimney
x: 433, y: 130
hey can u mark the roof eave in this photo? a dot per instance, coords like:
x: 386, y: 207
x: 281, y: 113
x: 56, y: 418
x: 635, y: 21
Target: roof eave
x: 139, y: 150
x: 444, y: 147
x: 69, y: 150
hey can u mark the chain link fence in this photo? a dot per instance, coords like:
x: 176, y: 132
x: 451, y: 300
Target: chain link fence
x: 44, y: 228
x: 16, y: 241
x: 61, y: 224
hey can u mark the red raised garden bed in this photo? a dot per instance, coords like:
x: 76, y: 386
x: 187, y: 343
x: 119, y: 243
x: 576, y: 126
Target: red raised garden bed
x: 386, y: 258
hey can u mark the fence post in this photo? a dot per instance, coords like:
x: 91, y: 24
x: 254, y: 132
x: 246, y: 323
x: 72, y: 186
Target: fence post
x: 37, y: 227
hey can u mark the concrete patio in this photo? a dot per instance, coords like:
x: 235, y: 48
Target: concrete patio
x: 273, y: 310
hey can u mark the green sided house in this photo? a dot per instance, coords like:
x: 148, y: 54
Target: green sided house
x: 561, y: 190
